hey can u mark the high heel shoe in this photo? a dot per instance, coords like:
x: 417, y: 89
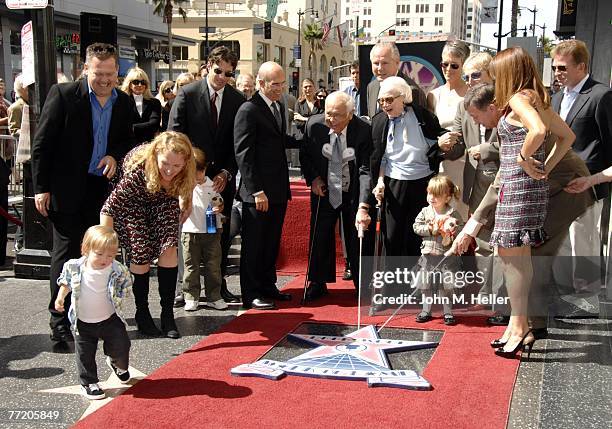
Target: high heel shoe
x: 510, y: 354
x: 498, y: 343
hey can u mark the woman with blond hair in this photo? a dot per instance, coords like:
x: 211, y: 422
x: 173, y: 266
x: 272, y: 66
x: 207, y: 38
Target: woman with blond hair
x: 305, y: 107
x: 526, y: 119
x: 146, y: 124
x: 146, y: 208
x: 165, y: 95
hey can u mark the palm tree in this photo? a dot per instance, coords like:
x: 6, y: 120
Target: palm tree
x: 514, y: 16
x: 546, y: 44
x: 165, y: 9
x: 313, y: 34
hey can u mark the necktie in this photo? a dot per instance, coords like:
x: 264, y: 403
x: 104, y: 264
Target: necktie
x: 277, y: 116
x: 213, y: 110
x: 334, y: 177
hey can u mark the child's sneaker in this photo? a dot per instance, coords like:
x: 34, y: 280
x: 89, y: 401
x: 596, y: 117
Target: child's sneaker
x: 93, y: 391
x: 219, y: 304
x: 122, y: 374
x: 191, y: 305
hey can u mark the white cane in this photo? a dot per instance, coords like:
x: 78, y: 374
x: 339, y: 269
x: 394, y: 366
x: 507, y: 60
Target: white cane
x: 360, y: 236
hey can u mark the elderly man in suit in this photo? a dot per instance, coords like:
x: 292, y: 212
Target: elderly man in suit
x: 85, y: 128
x: 260, y: 140
x: 335, y: 161
x: 386, y: 61
x: 205, y: 111
x: 563, y: 208
x: 586, y: 106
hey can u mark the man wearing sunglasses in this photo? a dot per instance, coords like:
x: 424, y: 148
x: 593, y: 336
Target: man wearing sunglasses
x: 586, y: 106
x: 205, y: 111
x: 84, y: 130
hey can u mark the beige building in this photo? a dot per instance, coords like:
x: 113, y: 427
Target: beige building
x: 234, y: 24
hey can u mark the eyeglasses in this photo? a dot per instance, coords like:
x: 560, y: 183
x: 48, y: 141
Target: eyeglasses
x: 227, y: 74
x: 454, y: 66
x: 473, y: 76
x: 167, y: 90
x: 559, y: 68
x: 321, y: 97
x: 139, y: 82
x: 387, y: 100
x: 110, y: 49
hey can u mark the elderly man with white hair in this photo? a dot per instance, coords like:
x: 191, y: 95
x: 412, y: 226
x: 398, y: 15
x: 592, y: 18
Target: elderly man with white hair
x: 405, y: 156
x: 335, y: 160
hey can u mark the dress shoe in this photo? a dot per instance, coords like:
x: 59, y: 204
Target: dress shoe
x: 348, y: 274
x: 179, y: 301
x: 498, y: 320
x: 227, y: 295
x: 279, y: 296
x: 260, y: 304
x: 315, y: 291
x: 61, y: 334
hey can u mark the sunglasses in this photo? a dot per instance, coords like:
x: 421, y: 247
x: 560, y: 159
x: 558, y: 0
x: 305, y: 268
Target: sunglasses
x: 387, y: 100
x: 320, y: 97
x: 139, y: 82
x: 103, y: 49
x: 559, y: 68
x: 167, y: 90
x: 473, y: 76
x: 452, y: 65
x: 227, y: 74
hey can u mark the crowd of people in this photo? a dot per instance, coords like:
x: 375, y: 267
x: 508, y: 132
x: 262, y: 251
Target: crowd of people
x: 479, y: 165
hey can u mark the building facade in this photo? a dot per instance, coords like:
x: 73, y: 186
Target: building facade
x: 141, y: 36
x: 473, y: 25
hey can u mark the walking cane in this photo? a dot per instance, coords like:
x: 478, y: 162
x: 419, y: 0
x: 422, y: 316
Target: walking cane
x: 360, y: 235
x: 314, y: 231
x: 377, y: 246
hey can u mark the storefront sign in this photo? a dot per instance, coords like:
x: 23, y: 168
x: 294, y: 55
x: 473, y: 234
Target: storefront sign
x: 26, y: 4
x: 27, y: 54
x: 152, y: 54
x: 127, y: 52
x: 68, y: 43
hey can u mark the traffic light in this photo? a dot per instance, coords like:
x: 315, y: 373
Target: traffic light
x: 295, y: 79
x: 267, y: 29
x: 391, y: 32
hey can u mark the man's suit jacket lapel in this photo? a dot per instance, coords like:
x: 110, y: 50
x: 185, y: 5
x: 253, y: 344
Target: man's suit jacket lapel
x: 556, y: 101
x: 83, y: 111
x: 266, y: 111
x: 205, y: 106
x: 373, y: 90
x: 581, y: 99
x: 471, y: 136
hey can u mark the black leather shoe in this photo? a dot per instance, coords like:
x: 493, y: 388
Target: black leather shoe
x: 348, y: 274
x: 179, y: 301
x: 227, y: 296
x: 315, y: 291
x: 61, y: 334
x: 498, y: 320
x: 260, y: 304
x: 279, y: 296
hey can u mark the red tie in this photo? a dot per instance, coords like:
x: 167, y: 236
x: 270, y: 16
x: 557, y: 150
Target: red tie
x: 213, y: 110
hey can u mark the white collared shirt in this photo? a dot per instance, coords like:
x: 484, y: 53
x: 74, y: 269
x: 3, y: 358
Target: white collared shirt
x: 569, y: 96
x: 269, y: 103
x: 138, y: 100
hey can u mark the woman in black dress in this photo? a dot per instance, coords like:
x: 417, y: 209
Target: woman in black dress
x: 165, y: 95
x: 305, y: 107
x: 147, y: 119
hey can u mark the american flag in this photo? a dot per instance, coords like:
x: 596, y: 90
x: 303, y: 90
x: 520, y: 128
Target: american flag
x: 326, y: 30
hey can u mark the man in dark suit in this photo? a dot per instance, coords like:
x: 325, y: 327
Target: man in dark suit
x: 335, y: 162
x: 85, y: 128
x: 586, y: 106
x: 205, y: 111
x: 386, y: 61
x: 260, y: 140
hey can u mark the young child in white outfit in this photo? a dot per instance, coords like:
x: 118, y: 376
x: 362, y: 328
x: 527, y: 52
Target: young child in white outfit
x: 202, y: 243
x: 99, y: 284
x: 438, y: 224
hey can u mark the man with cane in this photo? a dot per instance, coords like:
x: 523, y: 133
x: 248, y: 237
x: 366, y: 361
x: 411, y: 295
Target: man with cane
x: 335, y: 162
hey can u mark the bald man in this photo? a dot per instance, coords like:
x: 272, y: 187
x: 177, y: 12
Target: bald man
x: 260, y: 140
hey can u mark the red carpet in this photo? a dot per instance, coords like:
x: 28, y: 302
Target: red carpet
x: 472, y: 387
x: 293, y: 255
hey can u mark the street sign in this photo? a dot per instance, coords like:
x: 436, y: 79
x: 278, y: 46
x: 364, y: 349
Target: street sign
x: 27, y: 54
x: 298, y: 62
x: 297, y: 51
x: 27, y: 4
x: 210, y: 30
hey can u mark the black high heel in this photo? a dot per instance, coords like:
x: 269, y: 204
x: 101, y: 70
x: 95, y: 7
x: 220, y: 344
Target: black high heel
x: 510, y: 354
x: 498, y: 343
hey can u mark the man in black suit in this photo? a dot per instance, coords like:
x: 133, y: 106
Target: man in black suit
x: 205, y: 111
x: 335, y: 161
x: 85, y: 128
x: 260, y: 140
x: 386, y: 61
x: 586, y: 106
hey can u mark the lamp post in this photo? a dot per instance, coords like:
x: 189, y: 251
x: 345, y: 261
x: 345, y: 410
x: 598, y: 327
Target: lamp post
x: 534, y: 11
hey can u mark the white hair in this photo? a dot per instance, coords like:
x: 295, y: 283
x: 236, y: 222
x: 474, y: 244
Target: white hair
x: 342, y: 97
x: 395, y: 86
x: 18, y: 85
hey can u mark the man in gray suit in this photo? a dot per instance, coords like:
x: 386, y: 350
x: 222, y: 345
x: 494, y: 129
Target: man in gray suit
x: 586, y: 106
x: 385, y: 59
